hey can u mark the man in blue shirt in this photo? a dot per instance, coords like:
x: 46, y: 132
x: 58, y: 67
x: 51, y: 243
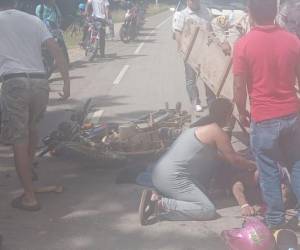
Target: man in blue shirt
x: 49, y: 13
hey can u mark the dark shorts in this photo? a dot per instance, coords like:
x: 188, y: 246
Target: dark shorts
x: 23, y: 104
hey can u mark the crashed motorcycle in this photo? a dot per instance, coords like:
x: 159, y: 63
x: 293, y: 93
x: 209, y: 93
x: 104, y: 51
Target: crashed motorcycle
x: 48, y: 60
x: 146, y: 137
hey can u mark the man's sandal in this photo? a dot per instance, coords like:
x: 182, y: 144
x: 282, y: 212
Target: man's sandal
x: 18, y: 204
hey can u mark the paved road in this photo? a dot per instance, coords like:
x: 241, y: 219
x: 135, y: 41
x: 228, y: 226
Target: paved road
x: 94, y: 213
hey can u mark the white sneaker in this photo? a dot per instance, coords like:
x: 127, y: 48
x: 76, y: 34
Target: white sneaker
x: 198, y: 108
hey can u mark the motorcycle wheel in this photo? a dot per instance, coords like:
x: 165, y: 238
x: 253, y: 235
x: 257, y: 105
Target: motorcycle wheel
x: 133, y: 32
x: 123, y: 33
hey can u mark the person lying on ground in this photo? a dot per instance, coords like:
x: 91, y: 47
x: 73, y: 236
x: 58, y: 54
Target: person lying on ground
x: 246, y: 190
x: 183, y: 174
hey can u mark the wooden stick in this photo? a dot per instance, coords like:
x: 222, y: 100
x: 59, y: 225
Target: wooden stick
x: 224, y: 78
x: 190, y: 48
x: 49, y: 189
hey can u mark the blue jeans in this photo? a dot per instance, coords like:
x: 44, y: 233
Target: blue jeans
x: 274, y: 141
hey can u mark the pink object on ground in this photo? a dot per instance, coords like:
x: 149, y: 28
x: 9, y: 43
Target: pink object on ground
x: 253, y: 236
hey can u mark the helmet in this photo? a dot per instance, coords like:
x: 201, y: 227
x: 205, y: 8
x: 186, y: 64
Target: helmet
x: 81, y: 6
x: 253, y: 236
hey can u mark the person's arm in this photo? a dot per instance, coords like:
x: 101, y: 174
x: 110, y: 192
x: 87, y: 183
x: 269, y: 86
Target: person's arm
x: 38, y: 11
x: 240, y: 98
x: 238, y: 191
x: 89, y: 8
x: 177, y: 27
x: 223, y: 143
x: 281, y: 19
x: 107, y: 10
x: 240, y: 71
x: 298, y: 75
x: 178, y: 38
x: 61, y: 63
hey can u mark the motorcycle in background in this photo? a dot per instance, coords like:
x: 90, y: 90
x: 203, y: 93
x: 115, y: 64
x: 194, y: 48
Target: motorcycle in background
x: 129, y: 29
x: 95, y: 41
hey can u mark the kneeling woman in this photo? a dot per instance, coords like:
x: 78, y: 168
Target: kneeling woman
x: 183, y: 174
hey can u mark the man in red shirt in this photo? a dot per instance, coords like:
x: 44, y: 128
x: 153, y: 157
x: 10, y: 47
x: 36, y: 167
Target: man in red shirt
x: 267, y: 64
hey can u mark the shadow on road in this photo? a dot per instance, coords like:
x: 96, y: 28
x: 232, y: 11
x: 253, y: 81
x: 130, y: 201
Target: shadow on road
x: 147, y: 29
x: 128, y: 116
x: 145, y: 40
x: 115, y: 57
x: 147, y: 34
x: 78, y: 64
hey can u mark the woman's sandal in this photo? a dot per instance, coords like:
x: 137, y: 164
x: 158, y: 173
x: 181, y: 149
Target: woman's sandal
x: 148, y: 208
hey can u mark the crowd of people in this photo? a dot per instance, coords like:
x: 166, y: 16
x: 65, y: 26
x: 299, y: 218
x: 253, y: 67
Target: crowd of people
x: 266, y: 69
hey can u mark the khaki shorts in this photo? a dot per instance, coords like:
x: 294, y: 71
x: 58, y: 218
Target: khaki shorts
x: 23, y: 104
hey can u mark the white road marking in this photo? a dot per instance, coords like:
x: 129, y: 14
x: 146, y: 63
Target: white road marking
x: 162, y: 23
x: 137, y: 51
x: 121, y: 75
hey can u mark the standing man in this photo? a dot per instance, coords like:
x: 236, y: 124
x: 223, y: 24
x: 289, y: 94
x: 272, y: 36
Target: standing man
x: 199, y: 15
x: 25, y: 90
x: 267, y: 63
x: 99, y: 10
x: 49, y: 13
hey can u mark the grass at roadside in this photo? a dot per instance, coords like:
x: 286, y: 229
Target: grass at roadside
x: 72, y: 39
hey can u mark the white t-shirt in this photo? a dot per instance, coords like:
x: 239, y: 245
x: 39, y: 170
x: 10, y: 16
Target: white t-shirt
x: 200, y: 17
x: 99, y: 8
x: 21, y: 41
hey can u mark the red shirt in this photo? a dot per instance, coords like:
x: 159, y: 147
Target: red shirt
x: 268, y: 57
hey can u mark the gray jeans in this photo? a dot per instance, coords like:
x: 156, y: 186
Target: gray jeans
x: 192, y: 89
x: 188, y: 204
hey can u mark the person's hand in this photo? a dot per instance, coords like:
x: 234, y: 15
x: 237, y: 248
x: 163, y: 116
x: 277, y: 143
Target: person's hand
x: 247, y: 210
x: 252, y: 166
x: 245, y: 119
x: 226, y: 48
x: 66, y: 92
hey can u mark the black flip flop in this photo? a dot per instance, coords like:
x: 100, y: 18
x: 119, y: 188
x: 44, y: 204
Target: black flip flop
x: 18, y: 204
x: 147, y: 207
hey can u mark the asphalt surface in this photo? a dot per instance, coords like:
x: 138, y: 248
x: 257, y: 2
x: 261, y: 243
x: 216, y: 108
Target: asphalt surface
x: 95, y: 213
